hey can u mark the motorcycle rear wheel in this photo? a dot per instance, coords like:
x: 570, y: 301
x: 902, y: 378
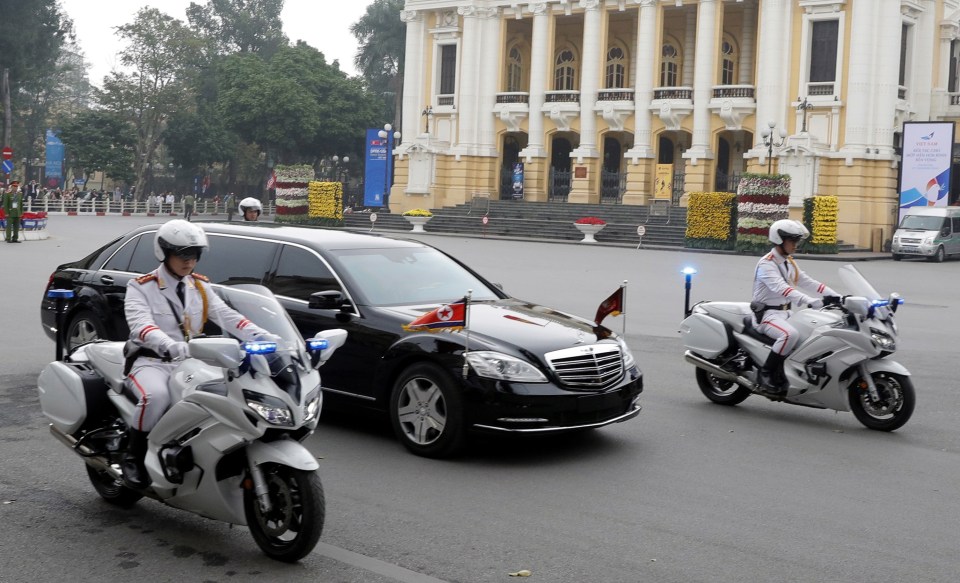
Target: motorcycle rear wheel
x: 721, y: 391
x: 893, y: 410
x: 292, y: 527
x: 111, y: 490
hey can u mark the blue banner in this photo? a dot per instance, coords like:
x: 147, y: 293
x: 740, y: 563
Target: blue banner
x: 518, y: 180
x: 53, y: 173
x: 379, y: 169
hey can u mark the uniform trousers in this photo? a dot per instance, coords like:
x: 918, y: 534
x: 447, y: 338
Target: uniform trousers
x: 150, y: 382
x: 776, y: 325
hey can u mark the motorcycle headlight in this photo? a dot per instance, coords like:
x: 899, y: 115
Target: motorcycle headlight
x: 314, y: 403
x: 882, y: 340
x: 270, y: 409
x: 503, y: 367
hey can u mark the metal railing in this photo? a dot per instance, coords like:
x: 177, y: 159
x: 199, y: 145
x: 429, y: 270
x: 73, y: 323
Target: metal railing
x: 615, y: 95
x: 123, y: 207
x: 562, y: 97
x: 560, y: 181
x: 612, y: 186
x: 673, y: 93
x: 733, y: 91
x: 820, y: 88
x: 728, y: 182
x: 513, y: 97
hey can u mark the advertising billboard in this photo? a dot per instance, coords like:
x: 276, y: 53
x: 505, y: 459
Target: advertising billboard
x: 926, y: 160
x: 379, y: 166
x: 53, y: 171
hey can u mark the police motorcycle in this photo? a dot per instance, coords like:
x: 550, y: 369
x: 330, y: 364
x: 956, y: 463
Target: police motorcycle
x: 840, y: 362
x: 229, y: 448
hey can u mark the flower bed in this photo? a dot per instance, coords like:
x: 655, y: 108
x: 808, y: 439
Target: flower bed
x: 590, y: 221
x: 293, y: 204
x: 418, y: 213
x: 761, y: 200
x: 711, y: 221
x: 326, y: 203
x: 820, y: 215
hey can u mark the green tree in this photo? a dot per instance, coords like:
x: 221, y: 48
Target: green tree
x: 162, y: 56
x: 382, y: 37
x: 98, y: 140
x: 244, y: 26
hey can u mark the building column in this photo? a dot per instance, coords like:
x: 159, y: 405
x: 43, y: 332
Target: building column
x: 468, y: 105
x: 746, y: 45
x: 539, y: 62
x: 492, y: 26
x: 593, y: 21
x: 859, y: 89
x: 413, y: 73
x: 689, y: 46
x: 773, y: 71
x: 706, y: 62
x: 646, y: 56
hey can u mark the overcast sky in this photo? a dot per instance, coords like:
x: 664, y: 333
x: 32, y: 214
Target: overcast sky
x: 322, y: 24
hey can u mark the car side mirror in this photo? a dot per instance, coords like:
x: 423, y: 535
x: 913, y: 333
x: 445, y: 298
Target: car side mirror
x: 326, y: 300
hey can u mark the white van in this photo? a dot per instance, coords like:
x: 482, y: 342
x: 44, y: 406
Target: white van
x: 928, y: 232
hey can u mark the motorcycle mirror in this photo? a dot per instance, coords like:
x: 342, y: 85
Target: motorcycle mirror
x: 895, y: 301
x: 326, y: 343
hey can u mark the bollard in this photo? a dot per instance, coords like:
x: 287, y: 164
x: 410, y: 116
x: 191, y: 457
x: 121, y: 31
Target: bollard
x: 61, y: 296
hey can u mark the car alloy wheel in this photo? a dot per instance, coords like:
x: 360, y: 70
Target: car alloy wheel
x: 426, y: 411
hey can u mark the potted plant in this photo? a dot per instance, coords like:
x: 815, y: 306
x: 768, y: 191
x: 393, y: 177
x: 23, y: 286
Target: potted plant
x: 418, y: 218
x: 589, y: 226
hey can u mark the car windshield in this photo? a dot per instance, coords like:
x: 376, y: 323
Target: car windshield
x: 922, y: 223
x: 407, y: 275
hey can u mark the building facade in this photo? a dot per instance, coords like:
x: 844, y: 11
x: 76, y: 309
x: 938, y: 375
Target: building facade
x: 628, y: 101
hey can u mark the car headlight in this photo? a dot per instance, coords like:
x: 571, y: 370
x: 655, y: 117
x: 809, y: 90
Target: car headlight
x: 928, y: 241
x: 628, y: 360
x: 270, y: 409
x: 314, y: 403
x: 495, y: 365
x: 882, y: 340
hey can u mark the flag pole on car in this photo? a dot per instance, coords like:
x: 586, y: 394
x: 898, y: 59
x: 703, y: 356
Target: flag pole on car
x: 466, y: 328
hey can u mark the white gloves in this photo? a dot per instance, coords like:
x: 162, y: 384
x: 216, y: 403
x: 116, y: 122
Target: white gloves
x: 816, y: 304
x: 178, y: 351
x: 268, y: 337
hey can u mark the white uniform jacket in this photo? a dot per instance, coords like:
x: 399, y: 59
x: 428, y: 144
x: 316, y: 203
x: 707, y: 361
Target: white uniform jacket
x: 157, y: 319
x: 778, y: 281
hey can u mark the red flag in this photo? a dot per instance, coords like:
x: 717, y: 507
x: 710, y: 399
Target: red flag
x: 612, y: 306
x: 272, y: 181
x: 447, y: 316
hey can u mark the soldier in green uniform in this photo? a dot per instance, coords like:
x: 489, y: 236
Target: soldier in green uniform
x: 13, y: 211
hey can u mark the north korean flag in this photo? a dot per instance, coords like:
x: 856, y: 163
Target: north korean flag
x: 448, y: 316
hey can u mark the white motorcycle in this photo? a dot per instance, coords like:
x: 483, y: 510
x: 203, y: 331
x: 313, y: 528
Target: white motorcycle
x: 839, y: 363
x: 229, y: 448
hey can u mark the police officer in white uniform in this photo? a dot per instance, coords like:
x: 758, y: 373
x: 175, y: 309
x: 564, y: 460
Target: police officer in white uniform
x: 250, y: 209
x: 777, y: 286
x: 164, y: 309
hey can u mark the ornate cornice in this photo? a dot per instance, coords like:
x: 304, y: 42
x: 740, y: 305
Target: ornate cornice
x: 590, y: 4
x: 408, y: 16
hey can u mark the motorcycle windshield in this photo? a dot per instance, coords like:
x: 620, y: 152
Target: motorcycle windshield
x: 856, y: 284
x: 259, y: 305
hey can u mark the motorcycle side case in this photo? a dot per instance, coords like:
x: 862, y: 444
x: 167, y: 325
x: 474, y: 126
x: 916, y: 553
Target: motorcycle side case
x: 70, y: 394
x: 704, y: 335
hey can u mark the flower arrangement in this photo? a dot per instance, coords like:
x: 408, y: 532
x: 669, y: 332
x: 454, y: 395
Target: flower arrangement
x: 418, y: 213
x: 325, y: 203
x: 296, y: 174
x: 590, y: 221
x: 711, y: 220
x: 761, y: 200
x: 820, y: 215
x: 293, y: 204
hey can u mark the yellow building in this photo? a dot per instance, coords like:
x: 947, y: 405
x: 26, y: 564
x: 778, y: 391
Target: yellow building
x: 628, y: 100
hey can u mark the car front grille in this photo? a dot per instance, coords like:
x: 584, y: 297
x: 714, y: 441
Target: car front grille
x: 594, y: 367
x: 911, y: 241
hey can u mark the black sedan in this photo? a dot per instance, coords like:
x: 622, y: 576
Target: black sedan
x: 515, y: 367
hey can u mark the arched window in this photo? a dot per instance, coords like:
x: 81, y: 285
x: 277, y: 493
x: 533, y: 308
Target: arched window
x: 514, y: 69
x: 565, y: 71
x: 670, y: 60
x: 729, y: 57
x: 616, y: 71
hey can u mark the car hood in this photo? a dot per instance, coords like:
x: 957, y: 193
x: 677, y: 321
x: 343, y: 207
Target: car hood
x: 516, y: 323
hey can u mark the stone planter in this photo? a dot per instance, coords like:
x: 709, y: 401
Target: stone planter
x: 418, y: 223
x: 588, y: 231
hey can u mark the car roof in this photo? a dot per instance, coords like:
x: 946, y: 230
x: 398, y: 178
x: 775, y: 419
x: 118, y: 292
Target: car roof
x: 942, y: 211
x: 316, y: 237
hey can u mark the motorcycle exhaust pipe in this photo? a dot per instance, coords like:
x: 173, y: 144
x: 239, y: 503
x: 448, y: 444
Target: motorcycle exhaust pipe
x: 718, y: 372
x: 88, y: 455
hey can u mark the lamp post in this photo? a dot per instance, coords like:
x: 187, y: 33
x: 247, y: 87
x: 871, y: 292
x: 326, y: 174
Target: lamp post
x: 802, y: 107
x: 336, y: 166
x: 770, y: 141
x: 427, y: 113
x: 391, y: 138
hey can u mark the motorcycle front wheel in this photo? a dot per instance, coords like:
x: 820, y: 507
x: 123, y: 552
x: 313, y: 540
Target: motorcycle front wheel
x: 294, y: 523
x: 894, y: 407
x: 721, y: 391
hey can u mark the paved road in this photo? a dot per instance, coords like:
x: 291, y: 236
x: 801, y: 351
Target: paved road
x: 689, y: 491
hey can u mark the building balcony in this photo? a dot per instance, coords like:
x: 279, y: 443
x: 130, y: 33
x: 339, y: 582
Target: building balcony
x: 682, y: 93
x: 562, y: 97
x: 562, y: 107
x: 446, y: 100
x: 512, y: 108
x: 672, y: 104
x: 615, y: 106
x: 821, y: 89
x: 732, y: 103
x: 616, y: 95
x: 512, y: 97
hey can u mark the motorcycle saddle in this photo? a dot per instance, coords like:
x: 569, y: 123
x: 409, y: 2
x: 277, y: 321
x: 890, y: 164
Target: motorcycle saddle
x: 752, y: 332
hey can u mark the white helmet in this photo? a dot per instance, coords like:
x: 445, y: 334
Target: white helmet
x: 251, y: 203
x: 178, y: 237
x: 787, y: 229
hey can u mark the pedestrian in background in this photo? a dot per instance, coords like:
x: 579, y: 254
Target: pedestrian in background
x: 230, y: 204
x: 12, y: 211
x: 188, y: 202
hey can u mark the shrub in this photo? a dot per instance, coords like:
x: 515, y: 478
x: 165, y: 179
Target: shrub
x: 820, y: 215
x: 711, y: 220
x: 761, y: 200
x: 418, y: 213
x: 590, y: 221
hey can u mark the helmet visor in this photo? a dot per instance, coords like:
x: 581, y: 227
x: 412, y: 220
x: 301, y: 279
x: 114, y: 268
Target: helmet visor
x: 188, y: 253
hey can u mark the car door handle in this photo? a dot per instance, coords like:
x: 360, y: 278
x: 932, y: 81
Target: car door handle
x: 106, y: 279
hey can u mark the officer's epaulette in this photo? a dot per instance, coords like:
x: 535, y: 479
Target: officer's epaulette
x: 146, y: 278
x: 203, y: 278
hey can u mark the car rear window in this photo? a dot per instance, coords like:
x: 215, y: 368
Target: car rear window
x: 236, y: 260
x: 301, y: 273
x: 408, y: 275
x: 120, y: 260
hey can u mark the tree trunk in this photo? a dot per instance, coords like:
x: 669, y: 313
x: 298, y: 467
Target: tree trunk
x: 7, y: 114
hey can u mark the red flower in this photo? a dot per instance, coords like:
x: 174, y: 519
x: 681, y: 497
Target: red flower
x: 590, y: 221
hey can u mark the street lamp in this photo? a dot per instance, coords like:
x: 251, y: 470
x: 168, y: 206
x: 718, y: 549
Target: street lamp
x: 427, y: 113
x: 336, y: 166
x: 770, y: 142
x: 391, y: 139
x: 803, y: 106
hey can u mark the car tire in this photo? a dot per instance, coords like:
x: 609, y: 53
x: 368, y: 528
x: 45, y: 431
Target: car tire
x: 426, y: 410
x: 84, y: 327
x: 897, y: 257
x: 939, y: 256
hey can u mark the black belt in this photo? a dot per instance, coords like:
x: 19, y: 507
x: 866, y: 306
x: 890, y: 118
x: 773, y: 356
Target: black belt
x: 780, y: 307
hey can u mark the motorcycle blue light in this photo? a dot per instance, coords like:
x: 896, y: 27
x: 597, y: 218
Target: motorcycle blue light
x: 317, y: 344
x: 57, y: 294
x: 689, y: 270
x: 259, y: 347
